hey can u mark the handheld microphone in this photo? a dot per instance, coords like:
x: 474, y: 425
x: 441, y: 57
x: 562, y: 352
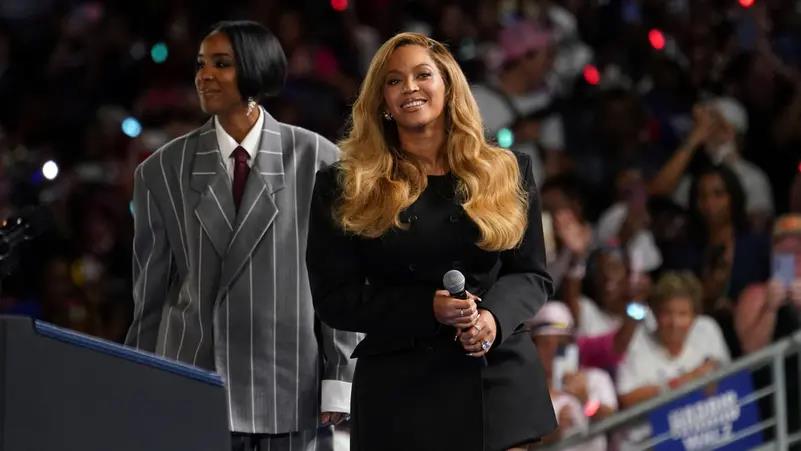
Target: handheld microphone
x: 453, y: 281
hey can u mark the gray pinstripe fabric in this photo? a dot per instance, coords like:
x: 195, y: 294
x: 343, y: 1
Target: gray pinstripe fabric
x: 229, y: 292
x: 318, y: 440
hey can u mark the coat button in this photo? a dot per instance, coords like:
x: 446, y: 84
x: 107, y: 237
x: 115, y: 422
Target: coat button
x: 453, y: 218
x: 412, y: 268
x: 412, y: 219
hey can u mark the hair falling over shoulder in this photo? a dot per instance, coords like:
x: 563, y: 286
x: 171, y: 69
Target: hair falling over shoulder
x: 379, y: 181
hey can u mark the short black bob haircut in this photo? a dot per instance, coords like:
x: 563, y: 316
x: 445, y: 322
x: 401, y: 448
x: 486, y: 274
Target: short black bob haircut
x: 260, y: 60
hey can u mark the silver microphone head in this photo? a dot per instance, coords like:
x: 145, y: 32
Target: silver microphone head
x: 453, y: 281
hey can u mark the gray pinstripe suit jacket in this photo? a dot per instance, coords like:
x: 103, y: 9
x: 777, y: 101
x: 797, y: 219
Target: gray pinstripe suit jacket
x: 229, y: 291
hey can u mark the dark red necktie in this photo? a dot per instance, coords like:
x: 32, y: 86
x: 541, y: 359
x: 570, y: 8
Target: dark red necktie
x: 241, y: 171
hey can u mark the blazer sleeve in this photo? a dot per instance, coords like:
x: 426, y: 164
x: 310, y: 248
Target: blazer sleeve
x: 151, y: 267
x: 338, y: 368
x: 523, y: 283
x: 343, y: 298
x: 336, y: 345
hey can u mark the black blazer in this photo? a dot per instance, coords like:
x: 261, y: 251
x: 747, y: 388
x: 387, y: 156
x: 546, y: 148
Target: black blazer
x: 414, y: 387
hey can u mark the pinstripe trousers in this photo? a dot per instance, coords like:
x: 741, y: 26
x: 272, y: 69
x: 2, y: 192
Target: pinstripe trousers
x: 320, y: 440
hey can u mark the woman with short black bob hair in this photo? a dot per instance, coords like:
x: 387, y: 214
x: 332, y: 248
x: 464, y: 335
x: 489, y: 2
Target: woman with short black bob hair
x: 261, y: 63
x: 220, y: 279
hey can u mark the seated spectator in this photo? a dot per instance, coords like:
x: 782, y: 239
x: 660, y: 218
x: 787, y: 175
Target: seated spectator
x: 720, y: 220
x: 672, y: 355
x: 579, y: 394
x: 572, y: 234
x: 606, y: 292
x: 619, y: 139
x: 721, y: 249
x: 720, y: 125
x: 520, y: 99
x: 627, y: 222
x: 552, y: 329
x: 571, y: 421
x: 767, y: 311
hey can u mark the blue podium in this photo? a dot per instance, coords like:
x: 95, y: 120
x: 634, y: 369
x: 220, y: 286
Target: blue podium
x: 62, y: 390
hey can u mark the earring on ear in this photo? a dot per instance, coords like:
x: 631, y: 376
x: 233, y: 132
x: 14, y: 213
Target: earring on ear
x: 387, y: 116
x: 251, y: 105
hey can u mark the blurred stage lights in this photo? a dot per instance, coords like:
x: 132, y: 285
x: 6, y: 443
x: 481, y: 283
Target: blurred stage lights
x: 656, y: 38
x: 50, y: 170
x: 746, y: 3
x: 591, y: 75
x: 339, y: 5
x: 159, y: 52
x: 505, y: 138
x: 131, y: 127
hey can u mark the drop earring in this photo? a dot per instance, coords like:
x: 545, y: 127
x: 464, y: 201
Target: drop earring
x: 251, y: 105
x: 387, y: 116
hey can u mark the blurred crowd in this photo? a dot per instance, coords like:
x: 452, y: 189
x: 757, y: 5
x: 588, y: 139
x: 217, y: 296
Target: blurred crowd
x: 666, y: 136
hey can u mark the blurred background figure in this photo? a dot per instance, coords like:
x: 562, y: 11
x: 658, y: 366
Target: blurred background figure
x: 672, y: 355
x: 580, y: 394
x: 518, y: 105
x: 768, y: 310
x: 719, y: 129
x: 675, y: 353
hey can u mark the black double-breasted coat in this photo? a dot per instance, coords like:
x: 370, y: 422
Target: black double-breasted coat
x: 414, y: 386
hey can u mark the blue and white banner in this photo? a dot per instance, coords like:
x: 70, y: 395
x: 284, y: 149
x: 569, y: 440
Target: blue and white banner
x: 705, y: 418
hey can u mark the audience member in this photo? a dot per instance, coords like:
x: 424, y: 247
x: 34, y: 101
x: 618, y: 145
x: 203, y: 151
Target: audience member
x: 518, y: 106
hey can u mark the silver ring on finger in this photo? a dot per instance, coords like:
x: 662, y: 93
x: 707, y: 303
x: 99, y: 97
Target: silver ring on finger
x: 485, y: 345
x: 461, y: 312
x: 478, y: 328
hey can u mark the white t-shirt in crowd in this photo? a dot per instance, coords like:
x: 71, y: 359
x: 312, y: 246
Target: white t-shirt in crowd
x: 647, y: 362
x: 561, y: 401
x: 593, y: 321
x: 644, y: 255
x: 600, y: 387
x: 496, y: 114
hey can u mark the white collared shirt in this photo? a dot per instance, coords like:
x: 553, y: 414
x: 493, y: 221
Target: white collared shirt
x: 228, y: 144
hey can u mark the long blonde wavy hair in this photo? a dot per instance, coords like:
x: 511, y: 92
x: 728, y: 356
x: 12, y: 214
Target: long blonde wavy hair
x: 379, y: 180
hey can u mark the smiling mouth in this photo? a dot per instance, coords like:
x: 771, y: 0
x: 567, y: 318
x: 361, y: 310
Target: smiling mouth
x: 413, y: 104
x: 208, y: 92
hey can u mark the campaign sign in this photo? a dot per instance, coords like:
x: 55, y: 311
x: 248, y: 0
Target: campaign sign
x: 704, y: 418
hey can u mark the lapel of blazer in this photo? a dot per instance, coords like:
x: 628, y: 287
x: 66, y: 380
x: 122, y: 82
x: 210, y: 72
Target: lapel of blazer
x: 258, y: 209
x: 215, y: 210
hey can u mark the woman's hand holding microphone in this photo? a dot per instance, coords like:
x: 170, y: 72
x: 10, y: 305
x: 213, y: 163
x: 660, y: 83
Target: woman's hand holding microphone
x: 451, y: 311
x: 477, y: 328
x: 457, y: 307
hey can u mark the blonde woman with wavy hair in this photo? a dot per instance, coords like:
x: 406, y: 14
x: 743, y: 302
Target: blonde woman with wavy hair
x: 419, y: 192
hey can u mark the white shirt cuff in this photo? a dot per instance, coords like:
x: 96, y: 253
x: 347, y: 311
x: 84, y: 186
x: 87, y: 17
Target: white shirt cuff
x: 335, y: 396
